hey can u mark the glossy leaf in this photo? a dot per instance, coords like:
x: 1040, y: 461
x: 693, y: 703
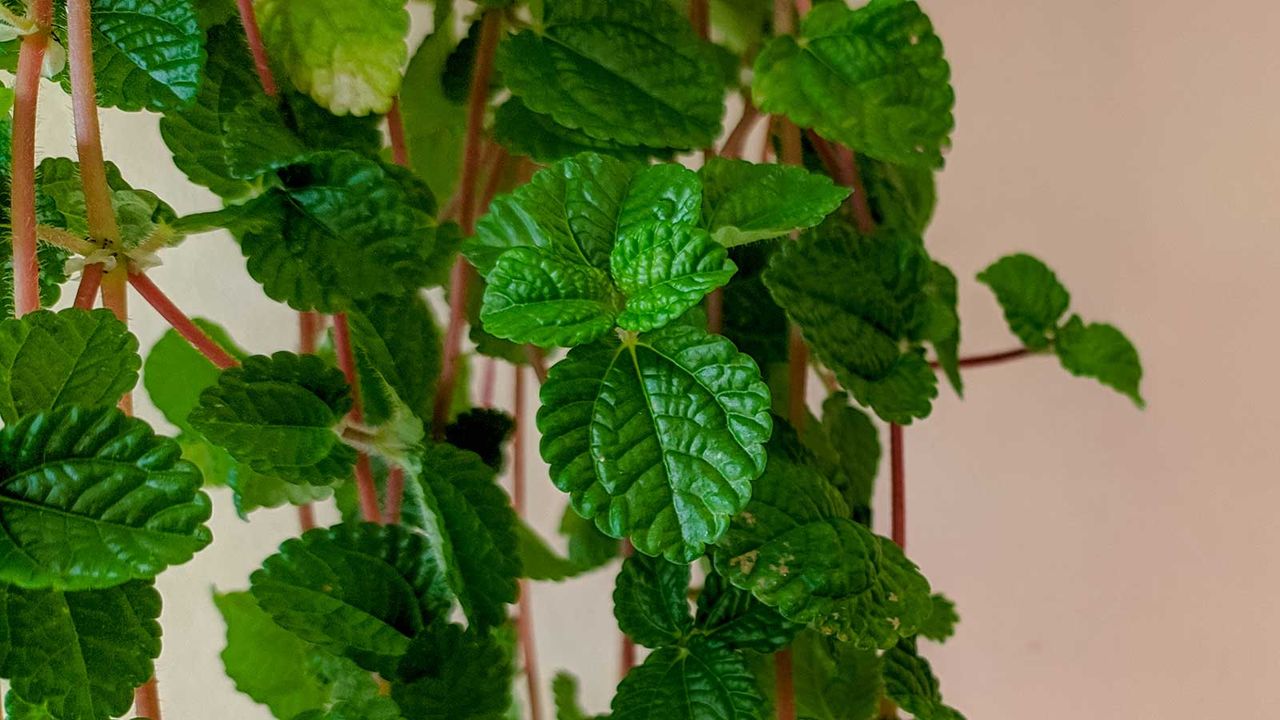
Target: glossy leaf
x: 703, y: 680
x: 73, y: 357
x: 659, y: 439
x: 744, y: 202
x: 910, y: 682
x: 525, y: 132
x: 664, y: 271
x: 942, y: 621
x: 650, y: 601
x: 732, y: 616
x: 90, y: 498
x: 452, y: 674
x: 873, y: 79
x: 1031, y: 296
x: 547, y: 300
x: 1102, y: 352
x: 147, y: 55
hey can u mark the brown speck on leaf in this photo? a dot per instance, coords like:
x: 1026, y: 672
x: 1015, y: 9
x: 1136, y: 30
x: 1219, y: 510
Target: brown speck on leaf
x: 745, y: 562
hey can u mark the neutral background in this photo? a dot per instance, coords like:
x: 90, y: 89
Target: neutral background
x: 1108, y: 563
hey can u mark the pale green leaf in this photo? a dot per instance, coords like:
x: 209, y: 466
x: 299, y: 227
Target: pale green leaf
x: 147, y: 54
x: 659, y: 439
x: 139, y: 213
x: 265, y: 661
x: 703, y: 680
x: 632, y: 72
x: 1031, y: 296
x: 435, y: 126
x: 452, y: 674
x: 665, y: 270
x: 1102, y: 352
x: 252, y: 490
x: 732, y: 616
x: 537, y: 560
x: 942, y: 621
x: 744, y: 202
x: 278, y: 414
x: 564, y: 690
x: 347, y: 56
x: 362, y: 591
x: 90, y: 498
x: 73, y: 357
x: 910, y: 682
x: 873, y: 79
x: 650, y: 601
x: 175, y: 373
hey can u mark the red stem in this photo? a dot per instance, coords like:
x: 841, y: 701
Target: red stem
x: 524, y: 618
x: 737, y: 139
x: 309, y: 326
x: 898, y: 478
x: 256, y: 48
x: 715, y: 311
x: 858, y: 202
x: 537, y: 361
x: 460, y: 276
x: 395, y: 495
x: 26, y: 268
x: 180, y: 322
x: 147, y: 700
x: 990, y: 358
x: 90, y: 283
x: 488, y: 381
x: 395, y: 127
x: 365, y: 487
x: 306, y: 517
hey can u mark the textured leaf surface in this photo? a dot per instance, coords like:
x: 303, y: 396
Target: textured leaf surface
x: 1031, y: 296
x: 90, y: 498
x: 147, y: 54
x: 854, y: 444
x: 525, y: 132
x: 942, y: 621
x: 795, y: 548
x: 73, y: 357
x: 650, y: 601
x: 362, y: 591
x: 873, y: 79
x: 857, y: 300
x: 629, y: 72
x: 51, y: 259
x: 664, y: 270
x: 732, y: 616
x: 278, y: 415
x: 743, y: 202
x: 347, y: 56
x: 943, y: 326
x: 832, y: 680
x: 397, y: 338
x: 910, y: 682
x: 465, y: 519
x: 659, y: 440
x: 547, y: 299
x: 1102, y: 352
x: 81, y: 654
x: 452, y: 674
x: 701, y: 681
x: 138, y: 212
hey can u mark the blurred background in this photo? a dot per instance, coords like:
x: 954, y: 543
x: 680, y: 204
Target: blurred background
x: 1107, y: 562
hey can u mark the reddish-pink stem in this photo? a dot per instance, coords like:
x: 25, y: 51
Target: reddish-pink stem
x: 309, y: 327
x: 147, y: 700
x: 395, y: 127
x: 990, y: 358
x: 459, y: 278
x: 395, y: 495
x: 524, y: 620
x: 180, y: 322
x: 365, y: 487
x: 87, y: 290
x: 537, y: 361
x: 737, y: 139
x: 26, y: 93
x: 898, y: 481
x: 306, y: 517
x: 256, y: 48
x: 487, y: 382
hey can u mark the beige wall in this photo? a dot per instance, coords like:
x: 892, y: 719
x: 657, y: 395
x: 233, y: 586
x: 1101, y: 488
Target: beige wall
x: 1108, y: 563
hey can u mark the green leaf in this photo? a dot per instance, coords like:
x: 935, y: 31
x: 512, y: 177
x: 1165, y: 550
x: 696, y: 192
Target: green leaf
x: 910, y: 682
x: 435, y: 126
x: 537, y: 560
x: 1031, y: 296
x: 343, y: 229
x: 588, y: 547
x: 650, y: 601
x: 902, y: 197
x: 252, y: 491
x: 452, y: 674
x: 465, y: 519
x: 348, y: 57
x: 90, y: 498
x: 873, y: 79
x: 659, y: 439
x: 943, y: 328
x: 525, y: 132
x: 278, y: 414
x: 147, y: 55
x: 664, y: 270
x: 15, y: 708
x: 547, y: 299
x: 744, y: 202
x: 703, y: 680
x: 74, y: 357
x: 52, y: 261
x: 732, y: 616
x: 362, y: 591
x: 81, y: 654
x: 564, y: 689
x: 857, y: 300
x: 795, y: 548
x: 854, y: 444
x: 752, y: 319
x: 396, y: 338
x: 1100, y: 351
x: 139, y: 213
x: 265, y: 661
x: 483, y: 431
x: 832, y: 680
x: 632, y: 72
x: 942, y: 621
x: 175, y: 373
x: 354, y: 694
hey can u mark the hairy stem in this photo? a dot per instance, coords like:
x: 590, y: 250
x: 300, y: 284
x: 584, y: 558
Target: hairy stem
x: 26, y: 93
x: 90, y: 283
x: 179, y: 321
x: 524, y: 616
x: 365, y: 487
x: 256, y: 47
x: 395, y: 495
x: 460, y: 276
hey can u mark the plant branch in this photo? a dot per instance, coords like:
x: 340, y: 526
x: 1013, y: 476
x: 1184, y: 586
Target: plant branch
x: 395, y: 128
x: 898, y: 480
x: 537, y: 361
x: 90, y: 283
x: 524, y: 616
x: 990, y: 358
x: 26, y: 267
x: 180, y: 322
x: 253, y: 34
x: 736, y: 141
x: 460, y: 276
x: 365, y: 487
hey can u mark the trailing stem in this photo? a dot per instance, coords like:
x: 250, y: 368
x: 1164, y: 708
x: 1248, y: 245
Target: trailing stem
x: 26, y: 93
x: 898, y: 480
x: 365, y: 487
x: 90, y: 283
x: 524, y: 617
x: 460, y: 276
x: 256, y: 47
x: 180, y: 322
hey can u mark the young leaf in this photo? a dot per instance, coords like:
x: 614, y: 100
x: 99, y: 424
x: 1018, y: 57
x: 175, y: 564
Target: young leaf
x: 732, y: 616
x: 743, y: 202
x: 910, y: 682
x: 265, y: 661
x: 943, y: 327
x: 454, y: 674
x: 175, y: 373
x: 147, y: 55
x: 465, y: 519
x: 1100, y: 351
x: 396, y: 338
x: 657, y: 439
x: 278, y: 414
x: 547, y: 299
x: 873, y: 79
x: 650, y: 601
x: 1029, y: 293
x: 434, y: 124
x: 857, y: 300
x: 73, y: 357
x: 632, y: 72
x: 795, y: 548
x: 942, y: 621
x: 702, y: 680
x: 139, y: 213
x: 90, y: 498
x: 362, y: 591
x: 564, y: 689
x: 346, y: 56
x: 80, y: 654
x: 664, y: 271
